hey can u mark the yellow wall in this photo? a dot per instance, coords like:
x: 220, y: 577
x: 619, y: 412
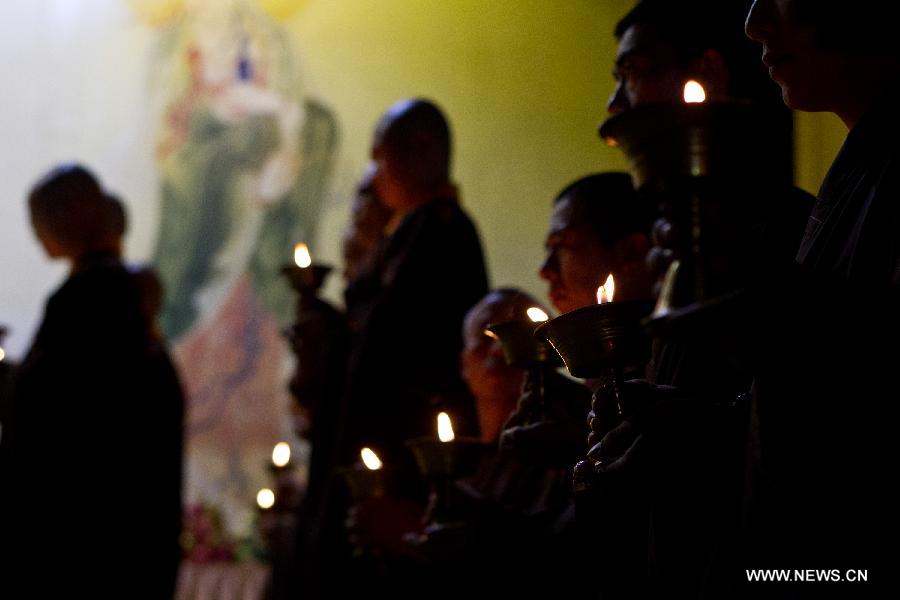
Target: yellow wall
x: 817, y: 139
x: 524, y: 82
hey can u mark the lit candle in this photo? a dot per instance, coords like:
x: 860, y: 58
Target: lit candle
x: 606, y: 291
x: 445, y: 428
x: 281, y: 454
x: 301, y: 256
x: 305, y: 276
x: 694, y: 92
x: 537, y: 315
x: 265, y: 498
x: 370, y: 459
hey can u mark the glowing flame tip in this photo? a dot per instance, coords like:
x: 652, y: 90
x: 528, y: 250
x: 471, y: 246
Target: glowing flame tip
x: 265, y: 498
x: 302, y: 256
x: 281, y: 454
x: 537, y: 315
x: 370, y: 459
x: 694, y: 92
x: 607, y: 291
x: 445, y: 428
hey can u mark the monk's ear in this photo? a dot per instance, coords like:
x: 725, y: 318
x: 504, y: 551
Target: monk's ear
x: 632, y: 249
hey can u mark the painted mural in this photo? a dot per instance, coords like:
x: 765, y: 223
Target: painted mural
x: 244, y: 156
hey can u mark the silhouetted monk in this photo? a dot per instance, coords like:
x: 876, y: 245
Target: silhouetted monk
x: 822, y: 452
x: 428, y: 272
x: 94, y: 505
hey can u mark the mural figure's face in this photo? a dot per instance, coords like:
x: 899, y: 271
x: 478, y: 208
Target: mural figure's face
x: 575, y: 264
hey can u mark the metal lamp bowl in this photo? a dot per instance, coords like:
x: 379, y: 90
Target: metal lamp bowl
x: 366, y: 483
x: 520, y: 347
x: 668, y: 141
x: 450, y: 459
x: 306, y: 279
x: 592, y: 339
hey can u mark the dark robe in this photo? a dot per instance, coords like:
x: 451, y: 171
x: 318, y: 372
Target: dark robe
x: 404, y: 360
x: 399, y: 366
x: 682, y: 494
x: 309, y: 568
x: 93, y: 501
x: 516, y: 533
x: 821, y: 455
x: 853, y: 234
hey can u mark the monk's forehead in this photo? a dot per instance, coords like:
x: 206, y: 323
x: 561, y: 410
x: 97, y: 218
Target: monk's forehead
x: 568, y: 213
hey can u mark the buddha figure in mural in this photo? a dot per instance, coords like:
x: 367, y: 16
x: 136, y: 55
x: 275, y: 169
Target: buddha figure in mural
x: 243, y: 158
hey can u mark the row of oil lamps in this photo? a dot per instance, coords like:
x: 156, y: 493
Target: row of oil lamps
x: 603, y: 340
x: 594, y: 341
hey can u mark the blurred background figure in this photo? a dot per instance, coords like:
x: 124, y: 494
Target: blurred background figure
x: 369, y: 218
x: 427, y: 272
x: 494, y: 384
x: 406, y: 313
x: 6, y: 370
x: 320, y: 339
x: 96, y: 390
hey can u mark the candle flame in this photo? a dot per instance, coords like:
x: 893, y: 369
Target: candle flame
x: 694, y: 92
x: 445, y: 428
x: 537, y: 315
x: 281, y: 454
x: 2, y: 354
x: 370, y: 459
x: 302, y: 256
x: 607, y: 291
x: 265, y: 498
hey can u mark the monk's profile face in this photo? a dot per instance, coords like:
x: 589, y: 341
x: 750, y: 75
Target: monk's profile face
x: 812, y: 76
x: 645, y: 70
x: 388, y: 176
x: 410, y: 154
x: 575, y: 264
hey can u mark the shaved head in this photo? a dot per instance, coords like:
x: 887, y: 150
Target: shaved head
x: 415, y: 133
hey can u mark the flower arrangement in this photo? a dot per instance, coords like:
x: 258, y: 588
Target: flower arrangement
x: 203, y: 537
